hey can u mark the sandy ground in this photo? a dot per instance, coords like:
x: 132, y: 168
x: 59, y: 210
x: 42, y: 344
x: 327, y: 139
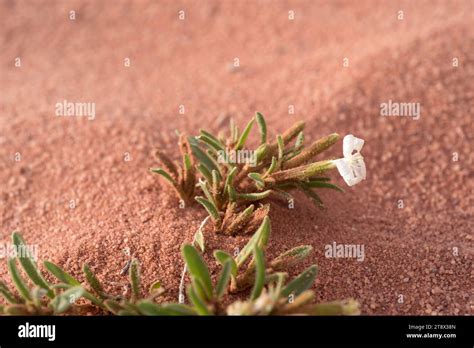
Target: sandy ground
x: 422, y: 251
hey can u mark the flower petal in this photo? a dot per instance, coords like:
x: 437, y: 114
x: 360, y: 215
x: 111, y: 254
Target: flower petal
x: 346, y: 171
x: 351, y: 143
x: 359, y: 168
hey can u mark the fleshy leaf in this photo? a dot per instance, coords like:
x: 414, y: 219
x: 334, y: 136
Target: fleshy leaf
x: 222, y: 257
x: 135, y: 278
x: 244, y: 135
x: 197, y: 268
x: 301, y: 283
x: 62, y: 302
x: 59, y: 273
x: 262, y: 125
x: 29, y: 265
x: 260, y: 238
x: 93, y: 281
x: 259, y: 273
x: 224, y: 279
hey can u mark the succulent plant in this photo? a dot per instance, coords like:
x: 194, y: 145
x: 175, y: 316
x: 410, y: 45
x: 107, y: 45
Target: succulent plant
x: 36, y: 297
x: 270, y: 294
x: 229, y: 189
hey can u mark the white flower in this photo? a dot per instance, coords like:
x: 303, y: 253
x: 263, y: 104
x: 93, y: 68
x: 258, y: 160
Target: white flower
x: 352, y: 166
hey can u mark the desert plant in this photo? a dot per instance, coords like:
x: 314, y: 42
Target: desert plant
x: 270, y: 294
x: 39, y: 297
x: 230, y: 188
x: 182, y: 178
x: 135, y: 304
x: 36, y: 297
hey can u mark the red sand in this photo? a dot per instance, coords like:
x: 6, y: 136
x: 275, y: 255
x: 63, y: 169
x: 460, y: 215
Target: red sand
x: 119, y: 204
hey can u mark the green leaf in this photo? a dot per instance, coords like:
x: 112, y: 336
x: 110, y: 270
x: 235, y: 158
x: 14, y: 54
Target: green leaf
x: 199, y: 239
x: 262, y: 125
x: 113, y: 306
x: 148, y: 307
x: 265, y: 230
x: 301, y: 283
x: 272, y: 167
x: 320, y: 179
x: 205, y: 189
x: 188, y: 165
x: 211, y: 136
x: 222, y: 257
x: 299, y: 141
x: 224, y: 279
x: 291, y: 257
x: 29, y: 265
x: 93, y: 281
x: 62, y: 302
x: 199, y: 289
x: 179, y: 309
x: 197, y: 268
x: 321, y: 184
x: 255, y: 196
x: 205, y: 172
x: 259, y: 273
x: 87, y: 295
x: 280, y: 279
x: 281, y: 147
x: 198, y: 303
x: 215, y: 145
x: 164, y: 174
x: 7, y: 294
x: 216, y: 177
x: 244, y: 135
x: 210, y: 207
x: 313, y: 196
x: 262, y: 151
x: 59, y: 273
x: 229, y: 181
x: 201, y: 155
x: 216, y: 180
x: 232, y: 194
x: 167, y: 163
x: 258, y: 179
x: 259, y: 238
x: 134, y: 275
